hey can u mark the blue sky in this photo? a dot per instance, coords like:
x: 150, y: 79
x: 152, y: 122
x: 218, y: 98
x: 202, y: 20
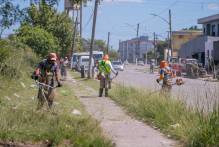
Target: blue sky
x: 120, y: 17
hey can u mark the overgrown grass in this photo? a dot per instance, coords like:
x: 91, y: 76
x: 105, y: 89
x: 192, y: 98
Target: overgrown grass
x: 15, y: 59
x: 192, y: 127
x: 20, y: 122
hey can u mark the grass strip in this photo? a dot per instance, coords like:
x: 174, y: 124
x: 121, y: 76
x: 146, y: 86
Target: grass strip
x: 20, y: 122
x: 192, y: 127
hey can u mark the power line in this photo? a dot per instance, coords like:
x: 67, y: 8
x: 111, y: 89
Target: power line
x: 89, y: 20
x: 166, y: 9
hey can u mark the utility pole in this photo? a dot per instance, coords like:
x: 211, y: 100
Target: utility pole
x: 170, y: 39
x: 155, y: 54
x: 74, y: 35
x: 92, y: 37
x: 137, y: 29
x: 81, y: 14
x: 108, y: 39
x: 31, y: 2
x: 137, y: 46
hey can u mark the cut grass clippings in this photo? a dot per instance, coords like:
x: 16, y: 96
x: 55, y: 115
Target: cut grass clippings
x: 20, y: 121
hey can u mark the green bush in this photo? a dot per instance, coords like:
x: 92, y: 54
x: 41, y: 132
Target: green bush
x: 13, y: 58
x: 38, y: 39
x: 49, y: 19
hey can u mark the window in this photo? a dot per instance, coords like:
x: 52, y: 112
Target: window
x: 213, y: 30
x: 180, y: 36
x: 85, y: 60
x: 218, y: 30
x: 208, y: 29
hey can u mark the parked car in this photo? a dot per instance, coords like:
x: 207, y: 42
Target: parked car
x: 84, y: 61
x: 141, y: 63
x: 97, y: 55
x: 118, y: 65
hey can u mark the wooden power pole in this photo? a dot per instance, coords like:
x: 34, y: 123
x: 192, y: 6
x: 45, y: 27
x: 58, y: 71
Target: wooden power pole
x: 81, y: 14
x: 92, y: 37
x: 155, y: 48
x: 137, y: 30
x: 170, y: 39
x: 74, y: 35
x: 108, y: 39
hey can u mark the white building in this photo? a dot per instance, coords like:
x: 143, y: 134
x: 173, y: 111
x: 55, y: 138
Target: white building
x: 204, y: 47
x: 135, y: 48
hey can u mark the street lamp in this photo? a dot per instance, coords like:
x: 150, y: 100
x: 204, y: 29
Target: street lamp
x: 170, y: 31
x: 160, y: 17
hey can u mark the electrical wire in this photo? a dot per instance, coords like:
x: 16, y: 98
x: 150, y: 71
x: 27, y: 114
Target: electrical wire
x: 89, y: 20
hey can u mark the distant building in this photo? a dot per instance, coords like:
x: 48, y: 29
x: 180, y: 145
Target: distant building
x: 181, y: 37
x: 206, y: 46
x: 135, y: 48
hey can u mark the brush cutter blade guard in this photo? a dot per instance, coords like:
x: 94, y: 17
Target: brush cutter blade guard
x: 179, y: 81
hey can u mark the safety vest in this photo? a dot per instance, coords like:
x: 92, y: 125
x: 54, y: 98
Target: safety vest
x: 165, y: 73
x: 104, y: 66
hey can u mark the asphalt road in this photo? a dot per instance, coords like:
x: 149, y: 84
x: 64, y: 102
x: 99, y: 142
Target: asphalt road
x: 194, y: 92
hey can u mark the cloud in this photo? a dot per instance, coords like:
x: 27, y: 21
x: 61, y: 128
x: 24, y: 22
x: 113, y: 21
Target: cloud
x: 213, y: 6
x: 123, y: 1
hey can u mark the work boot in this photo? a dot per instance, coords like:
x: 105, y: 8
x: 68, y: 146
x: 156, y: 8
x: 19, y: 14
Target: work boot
x: 109, y: 86
x: 106, y: 92
x: 100, y: 92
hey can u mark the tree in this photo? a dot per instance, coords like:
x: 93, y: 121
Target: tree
x: 40, y: 16
x: 101, y: 44
x: 61, y: 28
x: 193, y: 28
x: 161, y: 46
x: 113, y: 54
x: 9, y: 15
x: 38, y: 39
x: 58, y: 24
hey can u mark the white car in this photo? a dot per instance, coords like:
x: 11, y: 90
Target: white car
x: 141, y: 63
x: 117, y: 65
x: 84, y: 61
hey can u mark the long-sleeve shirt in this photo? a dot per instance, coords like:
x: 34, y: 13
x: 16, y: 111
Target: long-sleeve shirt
x: 106, y: 67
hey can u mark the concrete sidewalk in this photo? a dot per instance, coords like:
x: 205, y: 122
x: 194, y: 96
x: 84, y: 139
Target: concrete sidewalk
x: 116, y: 124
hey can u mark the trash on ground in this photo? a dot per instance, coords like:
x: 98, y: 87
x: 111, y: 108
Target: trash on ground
x: 76, y: 112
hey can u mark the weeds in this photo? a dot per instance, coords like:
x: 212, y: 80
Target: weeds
x: 20, y: 122
x: 192, y: 127
x: 15, y: 59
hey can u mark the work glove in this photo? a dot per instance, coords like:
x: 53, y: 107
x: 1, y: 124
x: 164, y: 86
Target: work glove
x: 59, y: 84
x: 34, y: 77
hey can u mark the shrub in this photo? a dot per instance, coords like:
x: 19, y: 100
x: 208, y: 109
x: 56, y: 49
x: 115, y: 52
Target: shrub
x: 38, y: 39
x: 13, y: 58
